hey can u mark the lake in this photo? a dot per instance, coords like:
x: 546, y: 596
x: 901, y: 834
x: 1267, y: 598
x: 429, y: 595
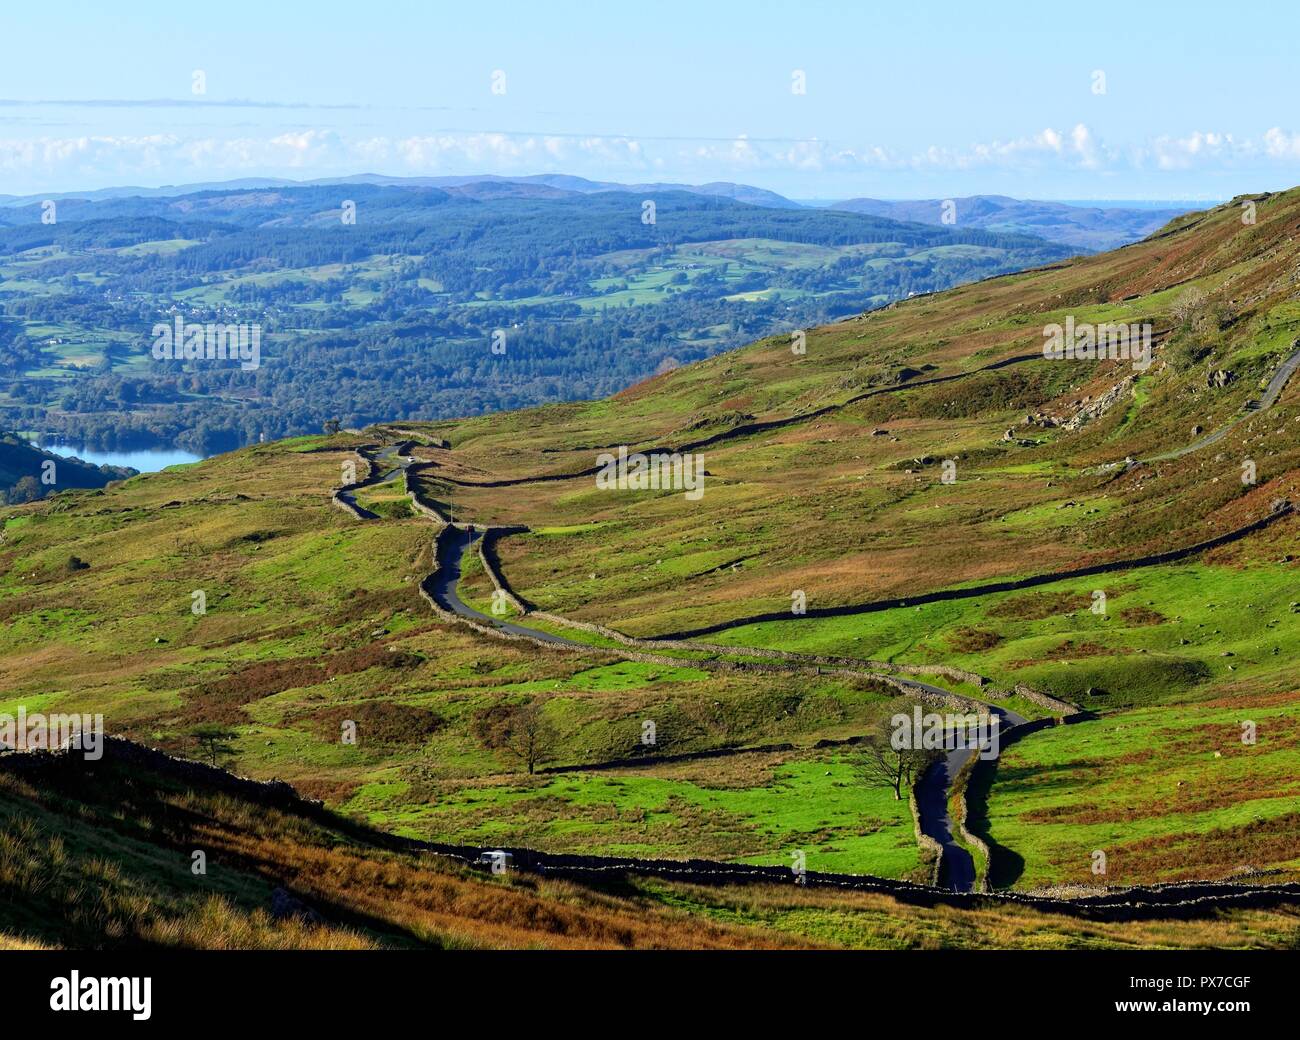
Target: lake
x: 147, y: 460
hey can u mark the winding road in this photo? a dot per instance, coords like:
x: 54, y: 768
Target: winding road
x: 378, y: 475
x: 932, y: 792
x: 444, y: 591
x: 934, y: 789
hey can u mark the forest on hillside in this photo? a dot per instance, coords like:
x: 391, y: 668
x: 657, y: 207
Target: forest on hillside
x: 426, y: 305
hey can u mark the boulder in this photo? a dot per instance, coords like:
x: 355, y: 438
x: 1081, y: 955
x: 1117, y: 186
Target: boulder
x: 285, y: 905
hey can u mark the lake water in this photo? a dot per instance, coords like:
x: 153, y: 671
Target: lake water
x: 149, y: 460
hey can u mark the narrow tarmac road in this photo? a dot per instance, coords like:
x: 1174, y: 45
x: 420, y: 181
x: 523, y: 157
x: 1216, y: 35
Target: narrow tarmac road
x: 933, y: 791
x: 448, y: 576
x: 1269, y: 398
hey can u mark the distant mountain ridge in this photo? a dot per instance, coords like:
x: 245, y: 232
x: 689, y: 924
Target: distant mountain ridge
x: 1086, y: 227
x: 394, y: 295
x: 305, y: 205
x: 558, y: 183
x: 1095, y: 229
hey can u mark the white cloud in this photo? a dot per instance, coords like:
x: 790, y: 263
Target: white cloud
x: 93, y: 160
x: 1201, y: 149
x: 1281, y: 145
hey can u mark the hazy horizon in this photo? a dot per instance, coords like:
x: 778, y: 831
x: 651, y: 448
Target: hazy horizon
x: 926, y: 101
x: 1154, y: 202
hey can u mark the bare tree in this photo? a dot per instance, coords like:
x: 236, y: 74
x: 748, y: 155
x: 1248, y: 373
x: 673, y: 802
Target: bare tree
x: 1188, y: 306
x: 899, y: 769
x: 520, y: 730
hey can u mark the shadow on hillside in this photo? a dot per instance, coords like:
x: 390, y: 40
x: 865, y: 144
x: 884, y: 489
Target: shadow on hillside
x: 1006, y: 865
x: 104, y: 842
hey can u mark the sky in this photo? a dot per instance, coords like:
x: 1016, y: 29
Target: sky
x: 816, y: 100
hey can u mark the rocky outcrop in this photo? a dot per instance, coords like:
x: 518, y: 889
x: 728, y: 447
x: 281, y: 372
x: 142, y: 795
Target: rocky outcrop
x: 286, y: 906
x: 1096, y: 409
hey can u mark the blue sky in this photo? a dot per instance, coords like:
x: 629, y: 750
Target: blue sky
x: 903, y: 100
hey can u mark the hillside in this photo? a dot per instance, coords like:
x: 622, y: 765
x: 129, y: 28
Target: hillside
x: 103, y: 856
x: 25, y: 467
x: 1082, y: 227
x: 843, y: 444
x: 824, y: 476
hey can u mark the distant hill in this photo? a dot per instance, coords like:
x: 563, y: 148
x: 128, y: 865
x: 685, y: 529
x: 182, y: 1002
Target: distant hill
x: 22, y: 465
x: 409, y: 201
x: 1091, y: 228
x: 582, y: 186
x: 723, y: 189
x: 480, y: 185
x: 378, y: 301
x: 1086, y: 228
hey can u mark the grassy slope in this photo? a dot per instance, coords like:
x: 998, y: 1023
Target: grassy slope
x: 103, y: 859
x: 313, y: 619
x: 1167, y: 793
x: 826, y: 508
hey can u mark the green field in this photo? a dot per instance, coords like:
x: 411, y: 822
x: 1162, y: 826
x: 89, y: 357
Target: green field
x: 1168, y: 794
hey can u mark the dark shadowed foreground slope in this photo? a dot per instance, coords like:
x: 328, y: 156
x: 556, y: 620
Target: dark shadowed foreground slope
x: 105, y: 855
